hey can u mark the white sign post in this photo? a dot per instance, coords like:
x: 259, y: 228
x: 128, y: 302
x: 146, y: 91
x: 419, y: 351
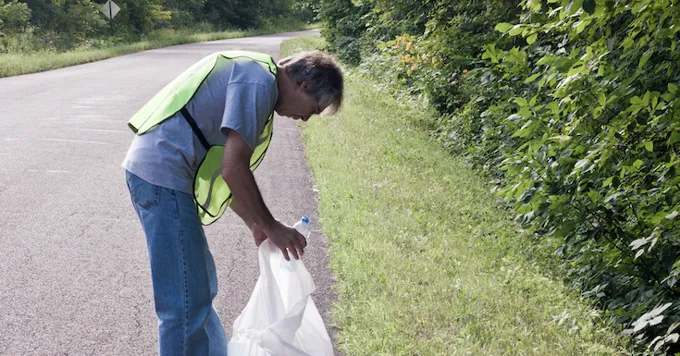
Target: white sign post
x: 110, y: 10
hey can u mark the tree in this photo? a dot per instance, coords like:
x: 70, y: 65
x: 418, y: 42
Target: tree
x: 14, y: 16
x: 184, y: 13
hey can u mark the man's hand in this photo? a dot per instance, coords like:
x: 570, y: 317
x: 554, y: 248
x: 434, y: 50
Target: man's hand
x: 294, y: 243
x: 286, y: 239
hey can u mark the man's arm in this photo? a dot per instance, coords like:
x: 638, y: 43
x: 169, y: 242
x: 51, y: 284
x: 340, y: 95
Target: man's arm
x: 249, y: 203
x: 236, y: 207
x: 258, y: 234
x: 236, y: 172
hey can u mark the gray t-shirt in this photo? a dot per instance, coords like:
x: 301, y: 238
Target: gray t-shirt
x: 236, y: 95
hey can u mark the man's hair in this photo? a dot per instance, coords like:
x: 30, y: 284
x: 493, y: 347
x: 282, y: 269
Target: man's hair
x: 323, y: 72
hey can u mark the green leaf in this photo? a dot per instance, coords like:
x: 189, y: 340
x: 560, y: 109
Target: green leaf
x: 521, y: 102
x: 532, y: 78
x: 503, y: 27
x: 581, y: 163
x: 649, y: 145
x: 524, y: 131
x: 594, y: 195
x: 560, y: 138
x: 656, y: 218
x: 589, y: 6
x: 675, y: 137
x: 532, y: 102
x: 612, y: 197
x: 608, y: 182
x: 639, y: 6
x: 599, y: 10
x: 601, y: 98
x: 524, y: 112
x: 531, y: 39
x: 627, y: 42
x: 547, y: 59
x: 581, y: 25
x: 636, y: 100
x: 516, y: 30
x: 672, y: 88
x: 646, y: 97
x: 597, y: 112
x: 574, y: 6
x: 645, y: 58
x: 637, y: 164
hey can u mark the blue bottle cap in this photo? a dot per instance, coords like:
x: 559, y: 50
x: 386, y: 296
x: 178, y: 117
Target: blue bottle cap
x: 305, y: 220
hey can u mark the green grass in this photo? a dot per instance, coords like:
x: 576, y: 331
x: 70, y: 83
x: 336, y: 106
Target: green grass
x: 427, y: 263
x: 17, y: 64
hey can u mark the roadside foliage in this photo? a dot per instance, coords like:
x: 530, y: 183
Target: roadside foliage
x: 571, y: 109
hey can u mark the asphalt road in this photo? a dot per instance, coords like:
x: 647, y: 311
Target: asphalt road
x: 74, y: 274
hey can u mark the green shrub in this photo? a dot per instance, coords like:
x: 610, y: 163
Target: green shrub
x: 594, y: 163
x: 13, y: 16
x: 344, y: 27
x: 572, y: 109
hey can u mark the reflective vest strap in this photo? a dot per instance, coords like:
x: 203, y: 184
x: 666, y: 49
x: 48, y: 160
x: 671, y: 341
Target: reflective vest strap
x: 194, y: 127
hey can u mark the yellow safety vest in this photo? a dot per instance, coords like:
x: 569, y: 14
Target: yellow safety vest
x: 211, y: 193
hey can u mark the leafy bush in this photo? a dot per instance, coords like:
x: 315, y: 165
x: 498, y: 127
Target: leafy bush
x: 344, y: 27
x: 13, y: 16
x: 593, y: 160
x: 572, y: 108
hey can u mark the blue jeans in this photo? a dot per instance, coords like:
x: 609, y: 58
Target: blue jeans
x: 182, y: 271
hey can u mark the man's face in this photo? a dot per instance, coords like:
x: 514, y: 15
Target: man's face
x: 301, y: 106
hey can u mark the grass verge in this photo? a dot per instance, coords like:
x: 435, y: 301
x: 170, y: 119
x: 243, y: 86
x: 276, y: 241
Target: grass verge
x: 17, y: 64
x: 427, y: 263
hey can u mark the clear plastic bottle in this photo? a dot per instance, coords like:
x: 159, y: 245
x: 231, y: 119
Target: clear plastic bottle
x: 303, y: 227
x: 305, y: 230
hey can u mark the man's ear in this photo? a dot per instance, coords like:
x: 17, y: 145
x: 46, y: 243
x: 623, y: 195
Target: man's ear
x: 306, y: 85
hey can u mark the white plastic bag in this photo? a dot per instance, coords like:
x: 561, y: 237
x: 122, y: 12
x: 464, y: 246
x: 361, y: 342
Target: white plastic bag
x: 280, y: 318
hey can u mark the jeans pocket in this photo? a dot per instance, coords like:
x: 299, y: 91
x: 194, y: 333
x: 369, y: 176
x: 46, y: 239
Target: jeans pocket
x: 144, y: 194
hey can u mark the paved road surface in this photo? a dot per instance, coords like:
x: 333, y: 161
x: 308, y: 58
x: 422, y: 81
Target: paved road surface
x: 74, y: 275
